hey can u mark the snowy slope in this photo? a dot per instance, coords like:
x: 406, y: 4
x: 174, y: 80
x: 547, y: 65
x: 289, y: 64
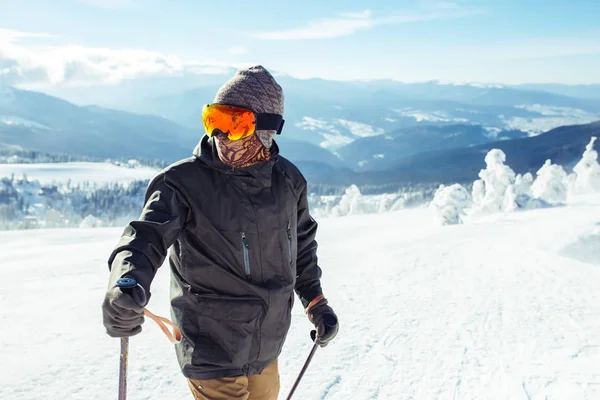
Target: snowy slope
x: 505, y: 308
x: 78, y: 172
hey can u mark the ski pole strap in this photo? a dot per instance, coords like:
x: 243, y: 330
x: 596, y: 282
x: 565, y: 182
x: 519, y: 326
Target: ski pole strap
x: 313, y: 303
x: 175, y: 336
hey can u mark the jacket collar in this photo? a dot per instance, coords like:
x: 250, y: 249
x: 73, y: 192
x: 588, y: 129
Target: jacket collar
x: 257, y: 175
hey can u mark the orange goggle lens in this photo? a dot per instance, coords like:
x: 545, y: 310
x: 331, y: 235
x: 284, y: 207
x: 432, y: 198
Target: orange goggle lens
x: 235, y: 122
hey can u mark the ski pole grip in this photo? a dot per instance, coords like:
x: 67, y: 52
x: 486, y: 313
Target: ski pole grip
x: 127, y: 285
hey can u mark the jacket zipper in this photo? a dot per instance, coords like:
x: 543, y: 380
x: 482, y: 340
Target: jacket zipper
x: 246, y: 248
x: 289, y: 236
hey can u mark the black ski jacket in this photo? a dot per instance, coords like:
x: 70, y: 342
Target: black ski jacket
x: 241, y: 241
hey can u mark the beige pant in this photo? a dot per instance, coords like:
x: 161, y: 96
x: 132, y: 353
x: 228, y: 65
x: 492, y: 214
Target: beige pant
x: 264, y: 386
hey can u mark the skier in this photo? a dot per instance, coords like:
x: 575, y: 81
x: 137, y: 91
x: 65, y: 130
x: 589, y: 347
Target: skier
x: 235, y: 217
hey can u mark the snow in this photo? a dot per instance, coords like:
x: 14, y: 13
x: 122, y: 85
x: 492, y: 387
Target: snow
x: 489, y: 193
x: 78, y: 172
x: 504, y: 308
x: 586, y: 173
x: 14, y: 120
x: 334, y: 139
x: 353, y: 202
x: 429, y: 116
x: 332, y: 131
x: 550, y: 117
x: 360, y: 129
x: 450, y: 203
x: 551, y: 184
x: 421, y: 116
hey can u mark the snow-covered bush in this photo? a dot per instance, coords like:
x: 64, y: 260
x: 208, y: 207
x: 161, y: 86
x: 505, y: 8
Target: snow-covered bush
x: 551, y: 184
x: 450, y: 203
x: 586, y: 174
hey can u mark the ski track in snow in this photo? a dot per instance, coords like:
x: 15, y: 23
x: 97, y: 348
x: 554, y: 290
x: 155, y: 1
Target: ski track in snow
x: 499, y: 309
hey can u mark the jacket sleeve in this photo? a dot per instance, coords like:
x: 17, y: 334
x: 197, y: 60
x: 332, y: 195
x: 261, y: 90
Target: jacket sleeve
x: 308, y: 273
x: 144, y: 244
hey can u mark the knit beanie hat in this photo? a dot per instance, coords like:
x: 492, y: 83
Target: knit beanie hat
x: 256, y: 89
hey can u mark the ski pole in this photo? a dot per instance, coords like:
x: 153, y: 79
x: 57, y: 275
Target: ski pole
x: 123, y: 368
x: 126, y: 285
x: 304, y: 368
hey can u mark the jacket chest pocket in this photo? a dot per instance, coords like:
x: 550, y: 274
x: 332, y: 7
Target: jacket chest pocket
x: 246, y: 253
x: 289, y: 241
x: 268, y: 255
x: 289, y: 246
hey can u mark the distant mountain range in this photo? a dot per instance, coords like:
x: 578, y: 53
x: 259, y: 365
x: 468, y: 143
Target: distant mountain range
x: 563, y: 145
x: 333, y: 114
x: 35, y: 121
x: 591, y: 91
x: 368, y: 133
x: 384, y: 151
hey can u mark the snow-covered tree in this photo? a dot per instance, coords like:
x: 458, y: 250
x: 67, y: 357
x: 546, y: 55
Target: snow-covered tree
x: 551, y: 184
x: 586, y: 174
x: 478, y: 191
x: 510, y: 199
x: 523, y: 184
x: 399, y: 204
x: 386, y: 202
x: 90, y: 222
x: 350, y: 203
x: 450, y: 203
x: 490, y: 191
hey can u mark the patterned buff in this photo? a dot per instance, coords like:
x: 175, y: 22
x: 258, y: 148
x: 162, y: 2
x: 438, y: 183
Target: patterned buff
x: 241, y: 153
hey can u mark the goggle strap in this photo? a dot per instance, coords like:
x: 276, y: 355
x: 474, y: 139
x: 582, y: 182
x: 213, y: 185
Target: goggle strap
x: 269, y: 122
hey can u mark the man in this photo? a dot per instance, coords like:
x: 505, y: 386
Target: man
x: 236, y: 218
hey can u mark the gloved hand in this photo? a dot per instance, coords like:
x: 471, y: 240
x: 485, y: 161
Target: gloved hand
x: 326, y: 322
x: 122, y: 313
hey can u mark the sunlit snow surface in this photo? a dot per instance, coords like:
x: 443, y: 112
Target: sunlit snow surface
x: 504, y: 308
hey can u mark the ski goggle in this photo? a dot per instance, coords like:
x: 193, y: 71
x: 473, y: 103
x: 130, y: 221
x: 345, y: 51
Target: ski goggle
x: 236, y: 122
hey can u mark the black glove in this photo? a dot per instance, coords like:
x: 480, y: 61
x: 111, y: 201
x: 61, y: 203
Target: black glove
x: 326, y: 322
x: 122, y: 313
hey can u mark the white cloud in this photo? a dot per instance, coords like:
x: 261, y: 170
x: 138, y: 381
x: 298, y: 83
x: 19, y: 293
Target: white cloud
x: 362, y: 14
x: 10, y: 35
x: 78, y: 65
x: 344, y: 25
x: 350, y: 22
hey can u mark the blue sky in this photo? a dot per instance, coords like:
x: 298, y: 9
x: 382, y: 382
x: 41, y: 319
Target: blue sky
x: 503, y: 41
